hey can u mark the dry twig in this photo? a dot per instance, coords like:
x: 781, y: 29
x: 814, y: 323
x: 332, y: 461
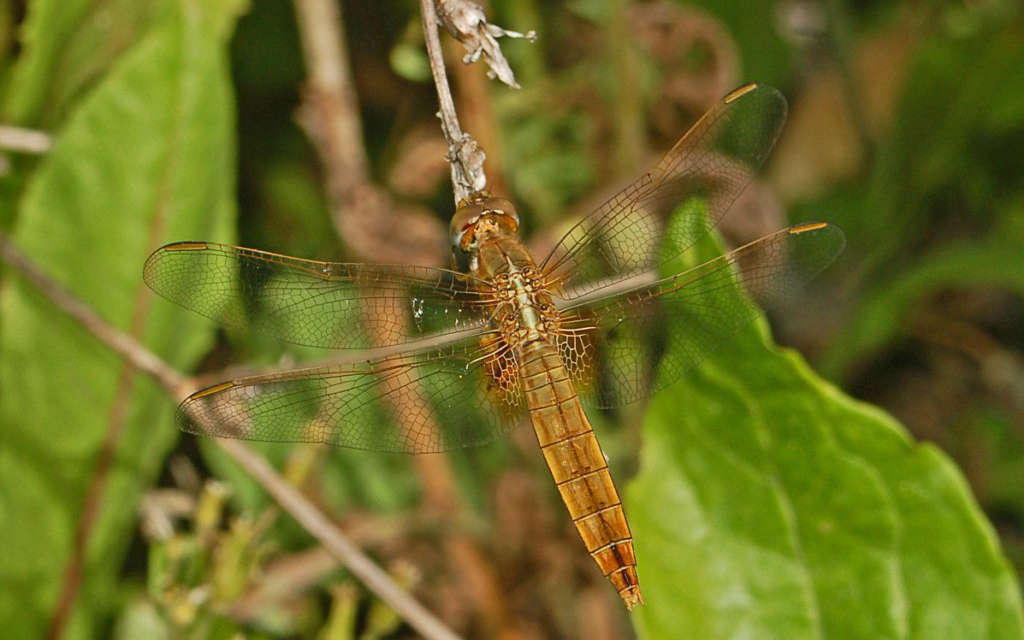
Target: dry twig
x: 317, y: 524
x: 24, y: 140
x: 465, y: 155
x: 363, y: 214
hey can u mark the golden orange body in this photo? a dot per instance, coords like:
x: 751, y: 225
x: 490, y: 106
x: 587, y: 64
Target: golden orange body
x: 579, y: 467
x: 574, y: 456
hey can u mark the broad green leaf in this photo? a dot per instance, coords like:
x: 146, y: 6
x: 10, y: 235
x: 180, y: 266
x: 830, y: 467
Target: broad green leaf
x: 67, y: 44
x: 47, y: 23
x: 147, y: 156
x: 882, y: 315
x: 770, y: 505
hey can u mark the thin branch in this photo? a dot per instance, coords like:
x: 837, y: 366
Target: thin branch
x: 24, y: 140
x: 329, y: 112
x: 364, y: 215
x: 473, y: 96
x: 304, y: 512
x: 465, y: 155
x: 375, y: 578
x: 330, y: 115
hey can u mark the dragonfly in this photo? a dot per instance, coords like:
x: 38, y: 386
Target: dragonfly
x: 459, y: 357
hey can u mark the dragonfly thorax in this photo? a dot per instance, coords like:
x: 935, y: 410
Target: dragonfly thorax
x: 526, y: 312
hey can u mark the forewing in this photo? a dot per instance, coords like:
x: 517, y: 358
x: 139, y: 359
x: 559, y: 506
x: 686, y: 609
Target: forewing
x: 714, y: 161
x: 321, y: 304
x: 613, y: 341
x: 422, y: 403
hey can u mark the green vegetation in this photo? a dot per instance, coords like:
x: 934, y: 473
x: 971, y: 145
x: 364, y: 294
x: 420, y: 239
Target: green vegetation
x: 870, y: 488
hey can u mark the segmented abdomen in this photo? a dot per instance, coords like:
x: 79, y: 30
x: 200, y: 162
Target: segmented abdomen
x: 579, y: 467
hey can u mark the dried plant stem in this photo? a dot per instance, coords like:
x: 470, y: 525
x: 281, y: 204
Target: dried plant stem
x: 329, y: 111
x: 24, y: 140
x: 465, y: 156
x: 317, y: 524
x: 473, y: 89
x: 330, y: 116
x: 375, y: 578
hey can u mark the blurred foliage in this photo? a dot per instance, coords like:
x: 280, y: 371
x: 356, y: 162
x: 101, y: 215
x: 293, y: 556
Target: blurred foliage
x: 766, y: 503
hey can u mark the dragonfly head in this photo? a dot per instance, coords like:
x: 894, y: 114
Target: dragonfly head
x: 482, y: 219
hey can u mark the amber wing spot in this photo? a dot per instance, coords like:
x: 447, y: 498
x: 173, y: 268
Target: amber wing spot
x: 810, y: 226
x: 187, y: 246
x: 209, y: 391
x: 738, y: 93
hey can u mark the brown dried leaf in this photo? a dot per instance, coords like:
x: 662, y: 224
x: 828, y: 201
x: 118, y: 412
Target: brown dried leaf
x: 467, y: 22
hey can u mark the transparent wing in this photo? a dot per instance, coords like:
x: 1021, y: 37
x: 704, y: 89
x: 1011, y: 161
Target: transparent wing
x: 714, y: 161
x: 613, y: 340
x: 422, y: 403
x: 321, y: 304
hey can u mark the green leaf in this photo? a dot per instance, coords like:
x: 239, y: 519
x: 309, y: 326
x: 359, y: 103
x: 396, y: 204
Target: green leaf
x: 770, y: 505
x: 67, y: 45
x: 147, y: 156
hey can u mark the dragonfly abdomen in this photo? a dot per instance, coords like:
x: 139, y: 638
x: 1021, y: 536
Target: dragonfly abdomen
x: 579, y: 467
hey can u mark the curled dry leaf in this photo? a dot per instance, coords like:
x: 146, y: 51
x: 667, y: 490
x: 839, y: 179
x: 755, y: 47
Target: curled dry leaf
x: 467, y: 22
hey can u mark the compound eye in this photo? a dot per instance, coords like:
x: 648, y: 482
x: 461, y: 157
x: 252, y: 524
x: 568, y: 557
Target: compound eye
x: 464, y: 239
x: 462, y: 223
